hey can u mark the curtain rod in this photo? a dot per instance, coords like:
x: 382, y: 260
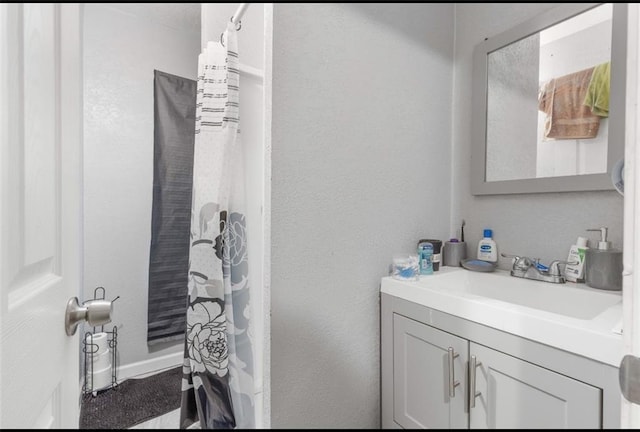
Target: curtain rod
x: 239, y: 12
x: 235, y: 19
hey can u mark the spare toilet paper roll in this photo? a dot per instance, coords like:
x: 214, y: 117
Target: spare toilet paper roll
x: 100, y: 343
x: 100, y: 379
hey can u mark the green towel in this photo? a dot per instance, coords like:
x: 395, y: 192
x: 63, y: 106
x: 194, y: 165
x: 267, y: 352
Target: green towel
x: 598, y: 91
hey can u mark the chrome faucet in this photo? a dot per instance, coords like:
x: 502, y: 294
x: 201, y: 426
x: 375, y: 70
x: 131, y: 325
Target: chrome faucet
x: 527, y: 268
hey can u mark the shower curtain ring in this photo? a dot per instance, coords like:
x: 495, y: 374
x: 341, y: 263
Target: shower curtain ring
x: 238, y: 27
x: 238, y: 24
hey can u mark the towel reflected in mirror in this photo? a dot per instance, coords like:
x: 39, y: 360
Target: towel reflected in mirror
x: 562, y: 100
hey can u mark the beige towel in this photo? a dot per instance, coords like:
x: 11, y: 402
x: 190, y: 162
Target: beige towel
x: 562, y: 100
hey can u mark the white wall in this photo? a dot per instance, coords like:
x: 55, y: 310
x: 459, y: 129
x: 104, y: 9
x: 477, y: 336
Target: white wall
x: 536, y: 225
x: 371, y: 144
x: 360, y: 170
x: 123, y: 44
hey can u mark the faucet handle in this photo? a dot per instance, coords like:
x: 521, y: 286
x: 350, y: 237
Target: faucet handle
x: 504, y: 255
x: 554, y: 267
x: 516, y: 258
x: 519, y: 262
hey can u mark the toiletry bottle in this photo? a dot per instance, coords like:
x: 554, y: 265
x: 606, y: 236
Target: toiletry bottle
x: 603, y: 265
x: 436, y: 252
x: 575, y: 272
x: 425, y: 257
x: 487, y: 248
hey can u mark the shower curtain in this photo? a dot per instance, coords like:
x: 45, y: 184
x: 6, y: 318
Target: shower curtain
x: 217, y: 383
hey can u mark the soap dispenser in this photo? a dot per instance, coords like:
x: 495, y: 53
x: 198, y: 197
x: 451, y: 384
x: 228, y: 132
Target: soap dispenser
x: 603, y: 264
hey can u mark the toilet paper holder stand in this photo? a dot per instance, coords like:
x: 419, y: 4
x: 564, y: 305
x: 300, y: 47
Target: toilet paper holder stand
x: 90, y: 348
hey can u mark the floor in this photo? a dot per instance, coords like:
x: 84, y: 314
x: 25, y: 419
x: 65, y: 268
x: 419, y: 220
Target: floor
x: 169, y: 420
x: 145, y: 401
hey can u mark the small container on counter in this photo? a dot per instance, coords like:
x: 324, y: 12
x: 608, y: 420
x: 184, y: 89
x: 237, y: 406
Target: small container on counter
x: 405, y: 267
x: 454, y: 252
x: 425, y: 255
x: 437, y: 247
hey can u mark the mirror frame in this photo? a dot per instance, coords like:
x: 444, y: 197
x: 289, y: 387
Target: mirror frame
x: 615, y: 144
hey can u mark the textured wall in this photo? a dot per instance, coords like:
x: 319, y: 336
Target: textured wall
x: 360, y: 170
x: 122, y: 47
x: 537, y: 225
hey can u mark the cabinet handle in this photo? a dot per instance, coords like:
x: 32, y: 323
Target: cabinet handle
x: 472, y: 381
x: 452, y: 382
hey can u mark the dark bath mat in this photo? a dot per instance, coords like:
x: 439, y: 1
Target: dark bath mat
x: 132, y: 402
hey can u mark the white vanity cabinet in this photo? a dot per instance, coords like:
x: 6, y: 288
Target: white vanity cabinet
x: 519, y: 383
x: 512, y: 393
x: 423, y: 375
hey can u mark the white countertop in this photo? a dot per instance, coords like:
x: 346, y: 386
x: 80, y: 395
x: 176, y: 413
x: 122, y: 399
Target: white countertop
x: 450, y: 290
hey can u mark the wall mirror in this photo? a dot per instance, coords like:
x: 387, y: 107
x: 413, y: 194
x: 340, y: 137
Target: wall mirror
x: 548, y: 102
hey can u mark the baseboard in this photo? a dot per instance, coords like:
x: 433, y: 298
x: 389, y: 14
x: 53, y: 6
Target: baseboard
x: 150, y: 366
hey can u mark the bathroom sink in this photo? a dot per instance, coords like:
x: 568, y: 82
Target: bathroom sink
x: 568, y: 299
x: 572, y: 317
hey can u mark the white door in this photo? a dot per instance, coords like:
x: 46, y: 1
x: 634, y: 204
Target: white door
x: 40, y: 213
x: 630, y: 416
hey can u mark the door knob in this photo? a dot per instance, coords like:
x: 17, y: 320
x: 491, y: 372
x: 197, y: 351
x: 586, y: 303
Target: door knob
x: 95, y: 312
x: 629, y: 378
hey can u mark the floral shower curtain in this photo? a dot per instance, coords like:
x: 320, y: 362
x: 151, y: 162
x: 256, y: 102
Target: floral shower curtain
x: 217, y: 383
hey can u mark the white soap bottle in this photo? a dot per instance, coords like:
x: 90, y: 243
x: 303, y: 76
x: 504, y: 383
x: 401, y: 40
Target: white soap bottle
x: 487, y: 248
x: 575, y: 272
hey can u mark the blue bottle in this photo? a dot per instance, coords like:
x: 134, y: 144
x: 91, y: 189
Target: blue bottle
x: 425, y: 258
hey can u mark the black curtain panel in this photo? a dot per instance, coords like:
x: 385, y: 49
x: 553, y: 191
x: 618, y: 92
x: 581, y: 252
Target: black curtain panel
x: 174, y: 126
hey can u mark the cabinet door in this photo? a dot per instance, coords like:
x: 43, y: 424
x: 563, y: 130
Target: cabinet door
x: 421, y: 376
x: 515, y: 394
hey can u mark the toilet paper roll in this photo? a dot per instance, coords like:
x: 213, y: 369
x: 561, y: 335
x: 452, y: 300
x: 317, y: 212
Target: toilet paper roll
x: 100, y: 343
x: 101, y: 361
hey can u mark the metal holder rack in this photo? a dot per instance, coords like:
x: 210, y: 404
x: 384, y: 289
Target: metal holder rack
x: 89, y: 348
